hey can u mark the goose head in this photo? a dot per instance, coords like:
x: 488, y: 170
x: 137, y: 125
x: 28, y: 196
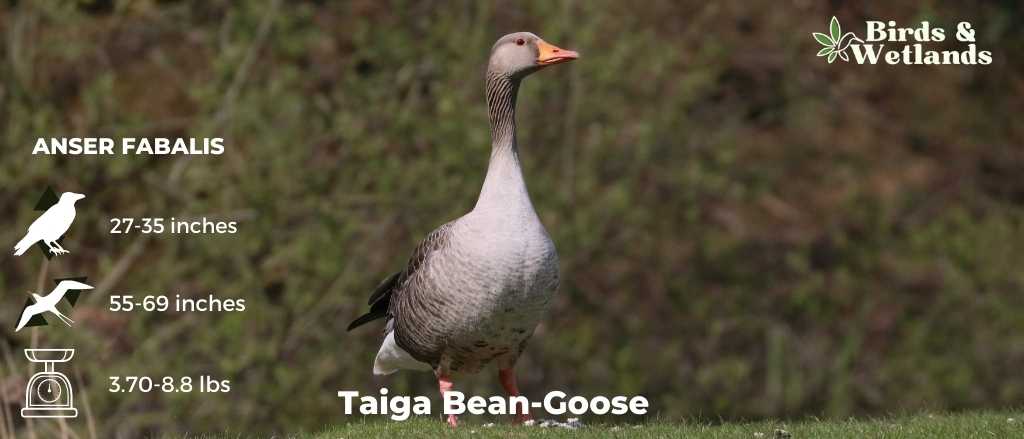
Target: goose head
x: 519, y: 54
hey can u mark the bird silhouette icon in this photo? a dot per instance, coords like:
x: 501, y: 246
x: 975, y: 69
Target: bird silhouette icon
x: 48, y: 303
x: 51, y: 225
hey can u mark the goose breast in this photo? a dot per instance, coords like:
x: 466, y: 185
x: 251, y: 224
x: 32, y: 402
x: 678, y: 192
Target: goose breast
x: 482, y: 299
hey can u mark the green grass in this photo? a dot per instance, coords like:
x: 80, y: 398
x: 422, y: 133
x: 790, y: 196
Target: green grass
x: 1008, y: 424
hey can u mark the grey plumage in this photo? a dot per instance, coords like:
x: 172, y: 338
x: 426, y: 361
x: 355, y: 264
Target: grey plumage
x: 475, y: 289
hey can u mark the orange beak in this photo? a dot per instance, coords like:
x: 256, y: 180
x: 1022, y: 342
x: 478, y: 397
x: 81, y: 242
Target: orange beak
x: 550, y: 54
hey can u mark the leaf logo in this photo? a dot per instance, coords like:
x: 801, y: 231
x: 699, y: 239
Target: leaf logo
x: 836, y: 42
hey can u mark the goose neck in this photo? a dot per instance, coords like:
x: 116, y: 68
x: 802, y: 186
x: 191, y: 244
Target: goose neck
x: 504, y: 186
x: 501, y: 92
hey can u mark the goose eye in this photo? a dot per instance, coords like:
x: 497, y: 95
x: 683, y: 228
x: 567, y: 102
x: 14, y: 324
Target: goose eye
x: 520, y: 42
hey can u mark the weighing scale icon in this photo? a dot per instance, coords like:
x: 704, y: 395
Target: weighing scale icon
x: 49, y: 393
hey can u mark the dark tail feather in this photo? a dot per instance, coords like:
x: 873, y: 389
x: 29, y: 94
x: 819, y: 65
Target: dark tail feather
x: 379, y: 301
x: 366, y: 318
x: 384, y: 288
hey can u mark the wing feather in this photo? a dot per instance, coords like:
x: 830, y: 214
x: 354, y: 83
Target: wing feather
x: 381, y: 299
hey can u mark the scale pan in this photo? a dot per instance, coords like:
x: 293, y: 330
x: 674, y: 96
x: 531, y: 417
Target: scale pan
x: 59, y: 355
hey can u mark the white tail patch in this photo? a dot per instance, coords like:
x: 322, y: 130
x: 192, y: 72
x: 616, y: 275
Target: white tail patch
x: 391, y: 357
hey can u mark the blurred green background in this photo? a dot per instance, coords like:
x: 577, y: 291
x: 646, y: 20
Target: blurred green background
x: 745, y: 231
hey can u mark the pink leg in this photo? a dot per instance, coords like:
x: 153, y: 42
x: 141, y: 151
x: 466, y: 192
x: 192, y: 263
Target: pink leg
x: 508, y: 381
x: 445, y: 384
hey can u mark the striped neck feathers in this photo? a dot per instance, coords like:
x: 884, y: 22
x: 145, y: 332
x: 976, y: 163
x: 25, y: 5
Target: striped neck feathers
x: 504, y: 186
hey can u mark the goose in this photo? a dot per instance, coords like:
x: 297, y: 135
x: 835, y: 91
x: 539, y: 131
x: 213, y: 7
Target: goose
x: 475, y: 289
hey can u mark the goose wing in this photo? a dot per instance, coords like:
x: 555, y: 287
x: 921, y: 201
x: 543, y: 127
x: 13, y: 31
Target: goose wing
x: 380, y: 300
